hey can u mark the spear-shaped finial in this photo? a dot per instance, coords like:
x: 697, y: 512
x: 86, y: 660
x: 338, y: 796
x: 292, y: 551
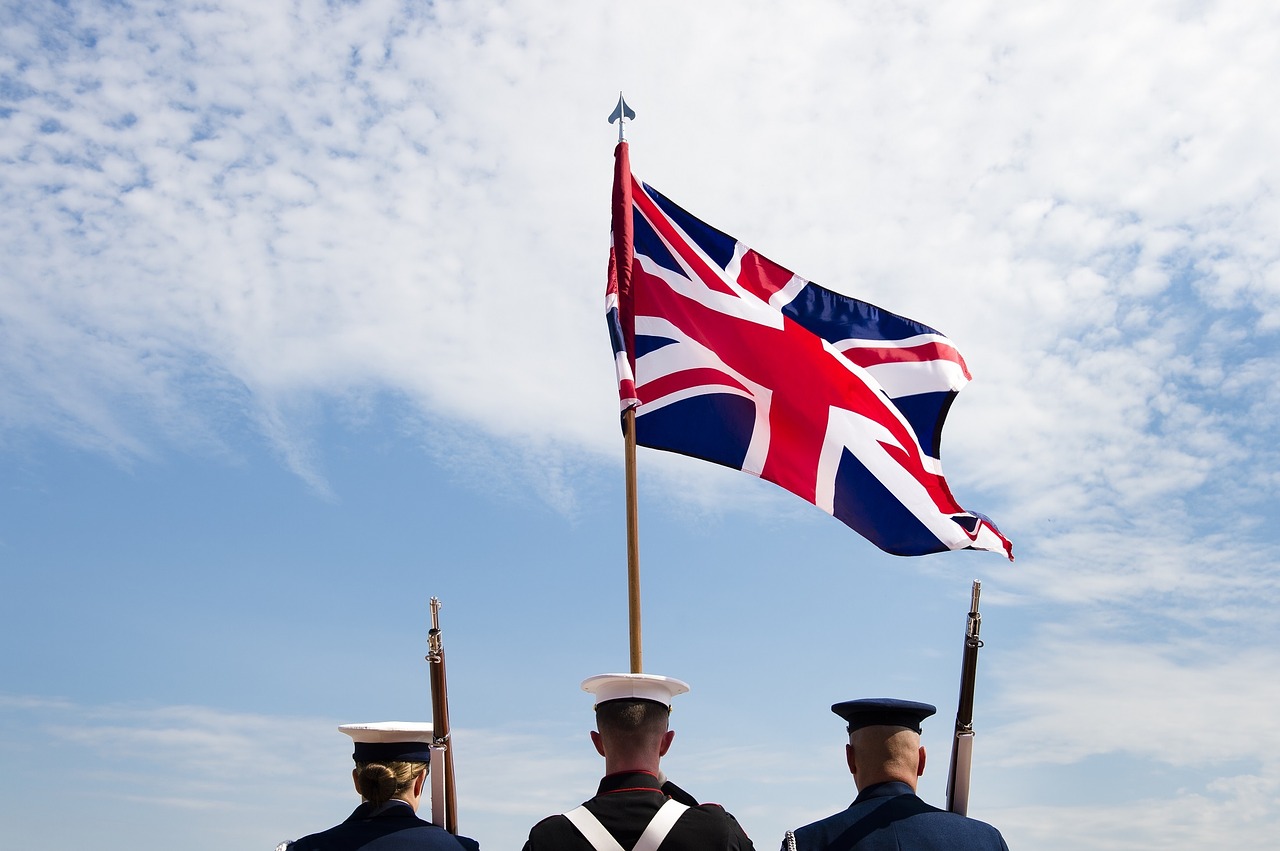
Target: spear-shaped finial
x: 622, y: 114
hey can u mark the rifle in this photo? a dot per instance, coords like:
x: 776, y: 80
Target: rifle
x: 440, y: 727
x: 962, y: 745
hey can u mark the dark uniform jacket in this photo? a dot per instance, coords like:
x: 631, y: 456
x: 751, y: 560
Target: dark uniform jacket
x: 889, y: 817
x: 392, y: 827
x: 626, y: 802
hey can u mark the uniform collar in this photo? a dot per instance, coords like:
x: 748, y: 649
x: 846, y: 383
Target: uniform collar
x: 394, y: 808
x: 888, y: 789
x: 629, y: 781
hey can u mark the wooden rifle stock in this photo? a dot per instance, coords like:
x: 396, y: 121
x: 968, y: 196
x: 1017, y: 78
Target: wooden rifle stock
x: 440, y: 719
x: 962, y: 744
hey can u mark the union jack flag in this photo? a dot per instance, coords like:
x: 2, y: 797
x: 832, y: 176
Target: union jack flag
x: 728, y: 357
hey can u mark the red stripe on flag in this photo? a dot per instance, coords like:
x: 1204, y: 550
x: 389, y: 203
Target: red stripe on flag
x: 874, y: 355
x: 761, y: 276
x: 685, y: 379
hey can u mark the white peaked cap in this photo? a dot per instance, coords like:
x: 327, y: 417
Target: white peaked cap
x: 379, y: 732
x: 608, y: 687
x: 383, y: 741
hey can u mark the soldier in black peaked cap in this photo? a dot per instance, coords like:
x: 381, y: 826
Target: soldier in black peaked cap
x: 392, y: 760
x: 635, y: 806
x: 886, y: 760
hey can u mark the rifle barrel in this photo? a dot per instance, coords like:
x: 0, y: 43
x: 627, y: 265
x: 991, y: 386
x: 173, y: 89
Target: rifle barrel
x: 962, y: 744
x: 440, y: 716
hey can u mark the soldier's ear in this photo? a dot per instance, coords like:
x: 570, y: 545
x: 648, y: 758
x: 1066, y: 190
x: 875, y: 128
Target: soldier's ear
x: 851, y: 759
x: 920, y: 767
x: 666, y: 742
x: 598, y: 741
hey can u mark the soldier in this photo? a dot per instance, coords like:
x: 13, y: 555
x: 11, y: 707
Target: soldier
x: 886, y: 760
x: 392, y: 760
x: 635, y: 806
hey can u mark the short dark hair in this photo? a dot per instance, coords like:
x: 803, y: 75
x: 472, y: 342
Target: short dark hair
x: 632, y: 717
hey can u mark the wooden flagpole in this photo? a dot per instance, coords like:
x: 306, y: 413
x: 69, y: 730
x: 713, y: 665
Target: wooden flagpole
x: 633, y: 541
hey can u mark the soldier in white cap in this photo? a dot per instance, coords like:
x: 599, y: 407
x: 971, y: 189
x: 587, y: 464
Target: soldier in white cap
x: 635, y: 806
x: 392, y: 760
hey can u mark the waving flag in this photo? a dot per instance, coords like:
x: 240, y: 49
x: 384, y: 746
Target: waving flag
x: 728, y: 357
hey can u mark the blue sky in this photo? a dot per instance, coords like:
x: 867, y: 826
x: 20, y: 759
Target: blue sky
x: 301, y: 323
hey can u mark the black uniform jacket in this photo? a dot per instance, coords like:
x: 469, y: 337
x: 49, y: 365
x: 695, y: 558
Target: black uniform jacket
x: 392, y: 827
x: 626, y: 802
x: 889, y: 817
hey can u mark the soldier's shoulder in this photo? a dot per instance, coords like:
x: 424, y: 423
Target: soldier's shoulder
x: 468, y: 843
x: 713, y: 810
x: 963, y: 832
x: 989, y: 831
x: 548, y: 829
x: 713, y: 820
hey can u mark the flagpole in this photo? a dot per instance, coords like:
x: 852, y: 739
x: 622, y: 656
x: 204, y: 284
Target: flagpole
x: 633, y: 541
x: 620, y: 273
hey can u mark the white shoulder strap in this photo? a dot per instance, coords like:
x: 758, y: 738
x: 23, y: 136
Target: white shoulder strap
x: 660, y: 825
x: 592, y: 830
x: 602, y: 840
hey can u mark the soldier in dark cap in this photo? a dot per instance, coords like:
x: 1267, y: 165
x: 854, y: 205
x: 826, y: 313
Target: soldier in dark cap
x: 392, y: 760
x: 636, y: 807
x: 886, y: 760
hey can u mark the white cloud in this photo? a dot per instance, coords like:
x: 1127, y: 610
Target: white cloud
x: 1181, y: 703
x: 356, y: 199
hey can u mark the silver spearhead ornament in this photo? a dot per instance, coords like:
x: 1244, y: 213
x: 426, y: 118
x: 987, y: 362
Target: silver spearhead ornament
x: 622, y: 114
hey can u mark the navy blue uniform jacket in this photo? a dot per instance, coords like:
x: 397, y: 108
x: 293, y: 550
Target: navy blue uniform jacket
x: 392, y: 827
x: 889, y: 817
x: 624, y: 804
